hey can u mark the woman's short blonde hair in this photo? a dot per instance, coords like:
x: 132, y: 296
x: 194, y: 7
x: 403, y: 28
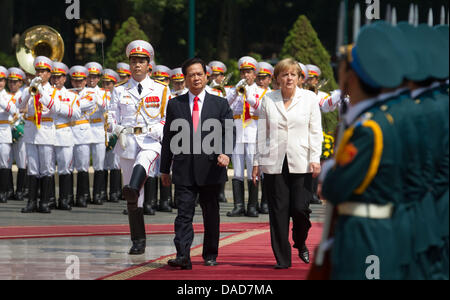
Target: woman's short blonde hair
x: 287, y: 64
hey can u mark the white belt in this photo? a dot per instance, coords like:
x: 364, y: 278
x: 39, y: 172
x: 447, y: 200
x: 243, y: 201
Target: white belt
x: 137, y: 130
x: 364, y: 210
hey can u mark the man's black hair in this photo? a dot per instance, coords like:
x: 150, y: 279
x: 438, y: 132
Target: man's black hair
x: 193, y: 61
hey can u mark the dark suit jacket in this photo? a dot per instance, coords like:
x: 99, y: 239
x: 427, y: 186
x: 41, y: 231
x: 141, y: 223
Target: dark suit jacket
x: 190, y: 169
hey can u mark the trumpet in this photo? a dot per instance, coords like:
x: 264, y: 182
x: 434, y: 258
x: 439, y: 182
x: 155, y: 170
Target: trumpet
x: 34, y: 88
x: 242, y: 90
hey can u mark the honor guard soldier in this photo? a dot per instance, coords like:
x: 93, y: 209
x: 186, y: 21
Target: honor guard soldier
x: 178, y: 83
x: 244, y: 100
x: 162, y: 73
x: 304, y: 76
x: 97, y: 119
x: 81, y: 129
x: 430, y: 251
x: 151, y: 67
x: 263, y: 81
x: 112, y: 161
x: 365, y: 183
x: 137, y: 118
x: 8, y: 109
x: 40, y: 134
x: 210, y: 86
x: 16, y: 78
x: 69, y: 111
x: 219, y: 70
x: 123, y: 69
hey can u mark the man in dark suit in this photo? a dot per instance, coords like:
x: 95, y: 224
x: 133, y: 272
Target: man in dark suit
x: 200, y: 167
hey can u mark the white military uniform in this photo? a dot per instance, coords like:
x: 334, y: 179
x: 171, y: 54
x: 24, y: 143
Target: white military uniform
x: 7, y: 109
x: 40, y: 139
x: 70, y: 110
x: 82, y: 130
x: 246, y: 132
x: 142, y: 118
x: 112, y: 161
x: 97, y: 119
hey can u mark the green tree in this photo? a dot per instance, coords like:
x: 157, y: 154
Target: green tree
x: 303, y: 44
x: 8, y: 61
x: 130, y: 31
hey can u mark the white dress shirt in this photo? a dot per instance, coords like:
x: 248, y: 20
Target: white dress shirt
x: 201, y: 101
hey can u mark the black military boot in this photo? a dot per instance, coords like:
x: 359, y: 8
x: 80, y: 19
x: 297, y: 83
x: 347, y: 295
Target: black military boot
x: 64, y: 185
x: 264, y: 208
x: 3, y: 186
x: 99, y: 178
x: 52, y: 194
x: 31, y: 207
x: 131, y: 191
x: 83, y: 193
x: 70, y: 191
x: 252, y: 207
x: 222, y: 198
x: 165, y: 197
x: 238, y: 195
x: 135, y: 214
x: 104, y: 187
x: 115, y: 188
x: 20, y: 188
x: 44, y: 204
x: 137, y: 230
x: 10, y: 191
x: 150, y: 195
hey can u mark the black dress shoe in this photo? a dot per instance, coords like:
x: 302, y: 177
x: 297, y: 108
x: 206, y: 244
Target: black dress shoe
x: 180, y: 262
x: 138, y: 247
x: 211, y: 263
x: 304, y: 255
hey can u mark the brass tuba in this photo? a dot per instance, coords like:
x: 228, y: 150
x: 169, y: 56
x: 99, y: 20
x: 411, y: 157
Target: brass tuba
x: 37, y: 41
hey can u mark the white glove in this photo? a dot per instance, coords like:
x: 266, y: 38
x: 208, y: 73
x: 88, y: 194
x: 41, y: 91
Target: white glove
x: 241, y: 83
x: 119, y: 131
x: 36, y: 81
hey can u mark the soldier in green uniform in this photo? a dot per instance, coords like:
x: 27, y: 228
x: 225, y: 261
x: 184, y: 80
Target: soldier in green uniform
x: 365, y: 183
x: 432, y: 130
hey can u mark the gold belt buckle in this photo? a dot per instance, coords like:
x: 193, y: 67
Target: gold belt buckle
x: 137, y: 130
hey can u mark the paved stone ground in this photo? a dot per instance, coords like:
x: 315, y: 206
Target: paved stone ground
x: 99, y: 256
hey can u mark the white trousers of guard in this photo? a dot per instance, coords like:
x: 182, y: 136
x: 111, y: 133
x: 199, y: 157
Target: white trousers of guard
x: 98, y: 156
x: 147, y: 159
x: 243, y: 156
x: 112, y: 161
x: 5, y: 156
x: 64, y: 160
x: 81, y: 156
x: 20, y: 154
x: 41, y: 160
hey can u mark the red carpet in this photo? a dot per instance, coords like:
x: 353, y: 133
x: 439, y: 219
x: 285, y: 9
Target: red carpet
x: 26, y: 232
x: 242, y: 256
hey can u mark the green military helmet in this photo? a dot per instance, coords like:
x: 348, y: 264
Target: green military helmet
x: 443, y: 31
x: 375, y: 59
x: 398, y: 39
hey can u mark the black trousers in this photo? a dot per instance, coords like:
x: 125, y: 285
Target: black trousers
x: 184, y: 231
x: 289, y: 197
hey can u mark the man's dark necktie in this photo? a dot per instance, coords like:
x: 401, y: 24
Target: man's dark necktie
x: 140, y: 88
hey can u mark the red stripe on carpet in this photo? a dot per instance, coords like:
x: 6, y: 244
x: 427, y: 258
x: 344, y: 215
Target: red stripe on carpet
x: 28, y: 232
x: 247, y: 259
